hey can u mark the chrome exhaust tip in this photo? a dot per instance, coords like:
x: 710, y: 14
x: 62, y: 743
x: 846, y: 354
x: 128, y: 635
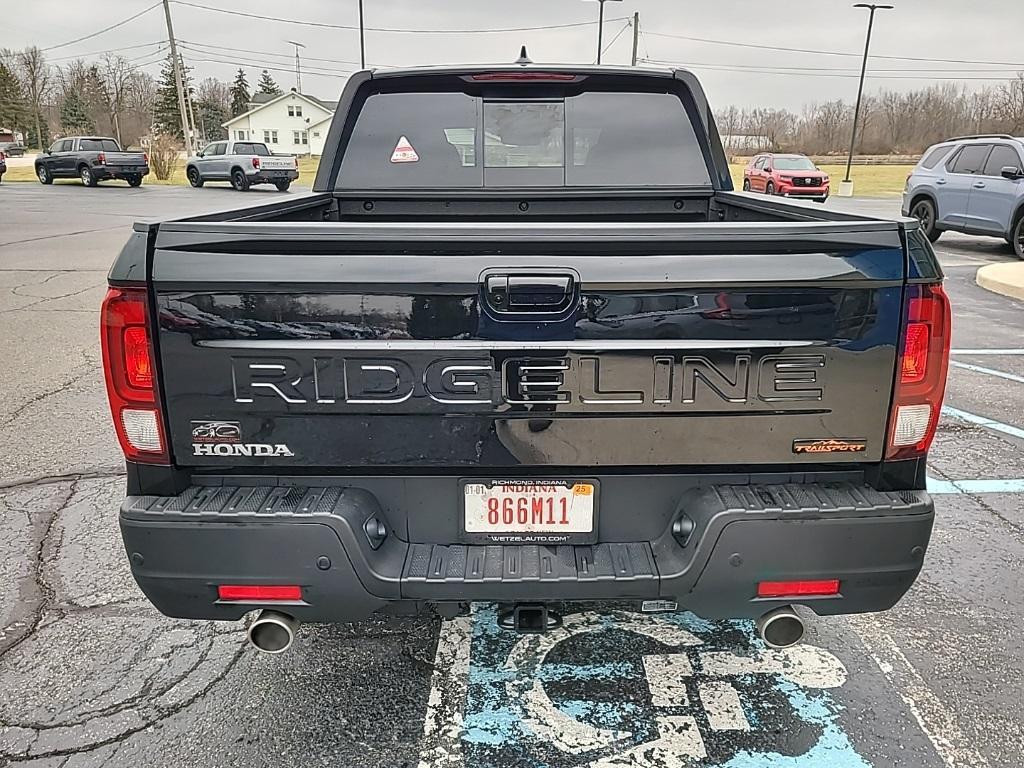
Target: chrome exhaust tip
x: 272, y: 632
x: 781, y: 628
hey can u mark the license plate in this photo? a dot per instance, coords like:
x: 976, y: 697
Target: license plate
x: 530, y: 511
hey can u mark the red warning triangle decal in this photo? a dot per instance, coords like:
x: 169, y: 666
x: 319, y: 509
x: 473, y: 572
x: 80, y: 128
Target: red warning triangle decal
x: 404, y: 153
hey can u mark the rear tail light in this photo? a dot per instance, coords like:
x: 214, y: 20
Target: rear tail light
x: 3, y: 156
x: 816, y: 588
x: 101, y: 159
x: 128, y: 369
x: 256, y: 163
x: 921, y: 378
x: 145, y: 158
x: 259, y: 592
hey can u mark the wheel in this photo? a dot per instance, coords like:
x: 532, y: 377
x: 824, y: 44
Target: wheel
x: 239, y: 182
x: 1017, y: 236
x: 924, y: 211
x: 746, y: 185
x: 134, y: 181
x: 770, y: 189
x: 282, y: 186
x: 88, y: 180
x: 43, y: 174
x: 194, y: 178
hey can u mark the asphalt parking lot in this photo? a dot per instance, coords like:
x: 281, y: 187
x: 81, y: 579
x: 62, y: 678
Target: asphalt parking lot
x: 91, y: 675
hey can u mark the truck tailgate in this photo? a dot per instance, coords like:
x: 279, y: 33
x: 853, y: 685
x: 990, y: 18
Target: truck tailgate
x: 491, y: 345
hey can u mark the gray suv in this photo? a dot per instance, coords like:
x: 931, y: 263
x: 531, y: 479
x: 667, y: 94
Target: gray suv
x: 972, y: 184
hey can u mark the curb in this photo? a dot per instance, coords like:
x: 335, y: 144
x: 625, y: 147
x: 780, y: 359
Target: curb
x: 1005, y: 278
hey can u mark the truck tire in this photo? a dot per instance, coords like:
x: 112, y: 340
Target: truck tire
x: 134, y: 181
x: 770, y: 188
x: 238, y: 180
x: 282, y: 186
x: 43, y: 174
x: 85, y: 174
x: 194, y: 178
x: 923, y: 209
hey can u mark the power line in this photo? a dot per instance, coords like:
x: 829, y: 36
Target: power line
x: 839, y: 73
x: 391, y: 29
x: 626, y: 26
x: 926, y: 71
x: 829, y: 53
x: 109, y: 50
x: 341, y: 73
x: 216, y: 48
x: 105, y: 29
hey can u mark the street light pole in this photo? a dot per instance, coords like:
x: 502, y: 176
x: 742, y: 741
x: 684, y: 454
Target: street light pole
x: 872, y: 7
x: 600, y: 26
x: 362, y: 39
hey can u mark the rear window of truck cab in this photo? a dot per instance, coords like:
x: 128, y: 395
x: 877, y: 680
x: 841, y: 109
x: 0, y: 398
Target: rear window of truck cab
x: 457, y: 140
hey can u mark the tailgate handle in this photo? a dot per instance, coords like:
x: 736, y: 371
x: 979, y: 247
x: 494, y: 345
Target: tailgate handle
x: 529, y: 293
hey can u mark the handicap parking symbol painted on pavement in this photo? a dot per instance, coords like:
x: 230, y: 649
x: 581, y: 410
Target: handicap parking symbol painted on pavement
x: 616, y: 688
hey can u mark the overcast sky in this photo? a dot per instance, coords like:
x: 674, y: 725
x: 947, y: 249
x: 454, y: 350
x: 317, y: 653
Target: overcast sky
x: 989, y: 30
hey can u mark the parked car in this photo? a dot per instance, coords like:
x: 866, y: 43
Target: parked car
x: 92, y: 159
x: 3, y: 165
x: 12, y: 148
x: 243, y: 163
x: 971, y: 184
x: 475, y: 441
x: 786, y: 175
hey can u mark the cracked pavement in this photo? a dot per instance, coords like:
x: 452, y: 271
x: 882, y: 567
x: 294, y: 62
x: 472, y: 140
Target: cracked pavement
x: 91, y: 675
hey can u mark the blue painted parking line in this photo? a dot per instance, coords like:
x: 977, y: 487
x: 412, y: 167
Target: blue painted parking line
x: 989, y: 371
x: 618, y: 688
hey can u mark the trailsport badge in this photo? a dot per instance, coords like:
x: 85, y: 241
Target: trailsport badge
x: 224, y: 438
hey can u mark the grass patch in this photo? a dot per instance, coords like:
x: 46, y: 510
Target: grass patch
x: 868, y: 180
x: 307, y: 172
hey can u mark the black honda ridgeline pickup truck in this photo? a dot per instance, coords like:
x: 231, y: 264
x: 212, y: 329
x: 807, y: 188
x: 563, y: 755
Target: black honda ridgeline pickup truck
x: 524, y: 344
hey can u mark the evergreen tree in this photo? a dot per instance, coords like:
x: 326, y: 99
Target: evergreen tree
x: 209, y: 116
x: 166, y: 113
x: 267, y: 85
x: 74, y: 115
x: 240, y: 94
x: 34, y: 140
x: 14, y: 111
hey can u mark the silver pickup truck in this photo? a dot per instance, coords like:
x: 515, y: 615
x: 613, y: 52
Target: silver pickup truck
x: 243, y: 163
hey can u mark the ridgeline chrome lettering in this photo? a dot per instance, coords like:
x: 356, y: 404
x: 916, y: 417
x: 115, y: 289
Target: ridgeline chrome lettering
x: 622, y: 380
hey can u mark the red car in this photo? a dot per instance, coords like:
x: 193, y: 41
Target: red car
x: 786, y: 175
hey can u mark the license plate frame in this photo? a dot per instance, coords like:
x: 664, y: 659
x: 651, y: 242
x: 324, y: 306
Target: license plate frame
x: 523, y: 536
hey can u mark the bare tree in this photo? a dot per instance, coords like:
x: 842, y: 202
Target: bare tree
x: 1011, y: 103
x: 34, y: 73
x: 115, y: 76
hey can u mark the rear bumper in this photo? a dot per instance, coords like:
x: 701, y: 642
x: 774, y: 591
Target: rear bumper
x: 119, y: 172
x: 270, y: 177
x: 182, y: 547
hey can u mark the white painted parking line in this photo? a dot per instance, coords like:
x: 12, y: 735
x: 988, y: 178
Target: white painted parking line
x: 938, y: 723
x: 722, y: 706
x: 986, y: 351
x: 666, y: 677
x: 442, y: 724
x: 983, y: 421
x: 989, y: 371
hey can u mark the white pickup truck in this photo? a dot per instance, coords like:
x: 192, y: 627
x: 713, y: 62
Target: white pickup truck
x: 243, y: 163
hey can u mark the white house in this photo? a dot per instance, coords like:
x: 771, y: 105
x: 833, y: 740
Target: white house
x: 291, y: 123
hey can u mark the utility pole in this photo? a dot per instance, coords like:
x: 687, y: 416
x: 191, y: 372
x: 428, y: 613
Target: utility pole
x: 298, y: 65
x: 191, y: 106
x: 179, y: 80
x: 636, y: 34
x: 846, y: 188
x: 362, y: 39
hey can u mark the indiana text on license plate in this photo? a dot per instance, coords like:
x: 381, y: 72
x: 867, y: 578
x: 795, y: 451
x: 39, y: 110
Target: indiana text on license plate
x: 529, y: 507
